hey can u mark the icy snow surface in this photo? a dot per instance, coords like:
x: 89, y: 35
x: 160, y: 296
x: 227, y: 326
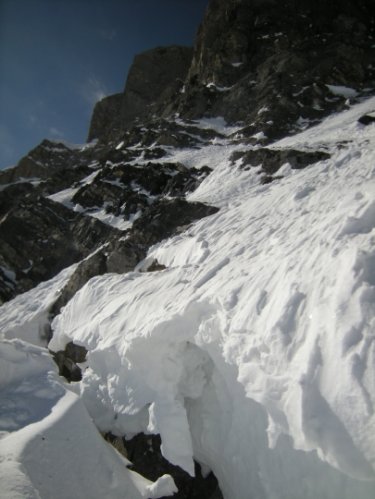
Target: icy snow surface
x: 254, y: 351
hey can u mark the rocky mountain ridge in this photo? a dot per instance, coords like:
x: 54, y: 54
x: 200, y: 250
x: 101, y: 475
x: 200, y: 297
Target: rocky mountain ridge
x: 272, y: 67
x: 265, y: 68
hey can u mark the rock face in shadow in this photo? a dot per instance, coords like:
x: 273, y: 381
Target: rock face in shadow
x: 270, y: 65
x: 167, y: 217
x: 144, y: 453
x: 49, y: 159
x: 155, y: 79
x: 39, y: 237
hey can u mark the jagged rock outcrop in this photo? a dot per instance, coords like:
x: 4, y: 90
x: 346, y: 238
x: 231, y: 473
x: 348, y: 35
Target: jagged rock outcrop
x: 154, y: 80
x: 50, y: 159
x: 167, y: 217
x: 274, y: 66
x: 41, y: 234
x: 268, y: 63
x: 271, y: 160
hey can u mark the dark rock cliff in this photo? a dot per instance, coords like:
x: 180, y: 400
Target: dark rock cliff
x: 268, y: 63
x: 154, y: 80
x: 264, y: 63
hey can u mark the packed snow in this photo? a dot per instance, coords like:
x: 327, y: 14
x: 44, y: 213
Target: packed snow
x: 253, y: 352
x: 49, y: 446
x: 27, y: 316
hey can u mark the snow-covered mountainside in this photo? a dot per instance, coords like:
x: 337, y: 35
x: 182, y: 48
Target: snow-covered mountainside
x: 251, y: 351
x: 188, y: 302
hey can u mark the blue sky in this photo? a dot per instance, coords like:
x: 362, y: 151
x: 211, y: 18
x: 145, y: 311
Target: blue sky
x: 58, y: 57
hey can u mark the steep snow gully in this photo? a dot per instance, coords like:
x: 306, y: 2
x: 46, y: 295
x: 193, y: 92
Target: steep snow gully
x: 251, y: 351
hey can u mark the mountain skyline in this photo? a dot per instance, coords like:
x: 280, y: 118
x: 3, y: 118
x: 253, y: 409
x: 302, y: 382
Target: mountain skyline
x: 58, y: 58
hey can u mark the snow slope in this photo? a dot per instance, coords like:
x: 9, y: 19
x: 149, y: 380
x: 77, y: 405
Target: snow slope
x: 26, y: 316
x: 49, y: 446
x: 254, y: 351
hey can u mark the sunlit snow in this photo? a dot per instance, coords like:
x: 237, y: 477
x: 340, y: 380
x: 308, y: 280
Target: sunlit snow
x: 253, y: 352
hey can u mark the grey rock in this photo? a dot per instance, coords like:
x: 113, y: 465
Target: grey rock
x: 144, y: 453
x: 167, y: 217
x: 92, y: 266
x: 267, y: 62
x: 272, y: 159
x: 124, y: 255
x: 366, y: 119
x: 107, y: 117
x: 67, y: 361
x: 264, y: 63
x: 154, y: 79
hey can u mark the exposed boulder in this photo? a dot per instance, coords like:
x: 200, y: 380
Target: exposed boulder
x: 367, y: 119
x: 145, y: 454
x: 67, y: 361
x: 167, y: 217
x: 88, y: 268
x: 154, y: 266
x: 124, y: 254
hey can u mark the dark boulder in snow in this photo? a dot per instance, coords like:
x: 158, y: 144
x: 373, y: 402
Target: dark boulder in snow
x: 89, y: 267
x: 167, y: 217
x: 272, y: 159
x: 68, y: 360
x: 366, y: 119
x: 144, y: 453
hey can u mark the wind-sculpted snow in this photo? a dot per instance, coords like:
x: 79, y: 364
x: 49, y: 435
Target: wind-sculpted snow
x: 26, y: 316
x: 49, y: 446
x: 254, y: 350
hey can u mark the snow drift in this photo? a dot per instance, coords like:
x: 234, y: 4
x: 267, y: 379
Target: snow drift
x: 252, y: 352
